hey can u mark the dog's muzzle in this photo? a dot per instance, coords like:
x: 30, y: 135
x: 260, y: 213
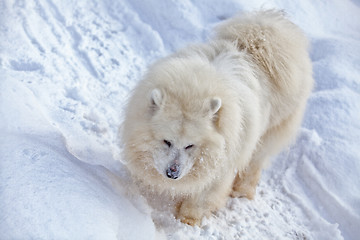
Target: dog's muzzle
x: 173, y: 171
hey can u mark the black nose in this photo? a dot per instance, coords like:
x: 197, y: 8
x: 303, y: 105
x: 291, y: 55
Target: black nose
x: 173, y: 171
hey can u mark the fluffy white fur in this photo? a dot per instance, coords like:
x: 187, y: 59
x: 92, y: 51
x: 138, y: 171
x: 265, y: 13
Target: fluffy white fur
x: 217, y: 111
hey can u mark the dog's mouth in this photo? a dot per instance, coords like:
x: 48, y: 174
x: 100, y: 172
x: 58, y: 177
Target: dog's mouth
x: 173, y: 171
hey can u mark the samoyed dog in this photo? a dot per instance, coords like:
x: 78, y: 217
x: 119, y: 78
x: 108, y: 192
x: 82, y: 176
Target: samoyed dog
x: 203, y: 122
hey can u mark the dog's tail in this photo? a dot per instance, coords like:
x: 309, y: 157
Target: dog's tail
x: 271, y: 39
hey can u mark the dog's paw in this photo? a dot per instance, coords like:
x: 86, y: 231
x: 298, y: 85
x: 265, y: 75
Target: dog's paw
x: 189, y: 214
x: 248, y: 193
x: 190, y: 221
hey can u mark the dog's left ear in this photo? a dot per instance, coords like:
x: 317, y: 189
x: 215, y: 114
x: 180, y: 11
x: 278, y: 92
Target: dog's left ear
x: 215, y: 105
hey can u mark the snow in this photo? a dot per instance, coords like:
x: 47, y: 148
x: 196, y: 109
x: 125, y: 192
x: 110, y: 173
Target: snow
x: 67, y: 69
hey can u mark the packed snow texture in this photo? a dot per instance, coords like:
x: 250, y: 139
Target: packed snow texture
x: 66, y: 70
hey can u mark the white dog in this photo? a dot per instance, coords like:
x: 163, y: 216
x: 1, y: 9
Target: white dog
x: 203, y: 122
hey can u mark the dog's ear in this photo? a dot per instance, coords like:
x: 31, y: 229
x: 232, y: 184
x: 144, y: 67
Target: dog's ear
x: 215, y: 105
x: 156, y: 98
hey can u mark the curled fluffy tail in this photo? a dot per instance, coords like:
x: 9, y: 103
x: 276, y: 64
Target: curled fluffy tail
x: 271, y: 39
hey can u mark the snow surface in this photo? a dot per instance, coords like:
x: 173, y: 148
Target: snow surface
x: 66, y: 70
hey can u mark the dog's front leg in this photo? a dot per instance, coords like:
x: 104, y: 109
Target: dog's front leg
x: 202, y: 204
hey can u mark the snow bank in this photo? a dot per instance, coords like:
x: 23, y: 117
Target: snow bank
x: 66, y: 69
x: 46, y: 192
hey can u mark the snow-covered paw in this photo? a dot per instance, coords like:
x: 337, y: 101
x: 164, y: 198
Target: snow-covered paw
x: 190, y: 221
x: 190, y: 215
x: 237, y: 194
x: 241, y: 192
x: 245, y: 186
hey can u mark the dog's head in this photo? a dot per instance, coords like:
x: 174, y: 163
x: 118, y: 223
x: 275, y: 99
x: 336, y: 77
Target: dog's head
x: 181, y: 137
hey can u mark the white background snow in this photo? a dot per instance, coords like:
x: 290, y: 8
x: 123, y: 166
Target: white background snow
x: 66, y: 70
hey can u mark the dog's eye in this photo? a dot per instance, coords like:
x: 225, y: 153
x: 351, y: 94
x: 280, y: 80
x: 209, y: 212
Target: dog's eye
x: 167, y: 143
x: 189, y: 146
